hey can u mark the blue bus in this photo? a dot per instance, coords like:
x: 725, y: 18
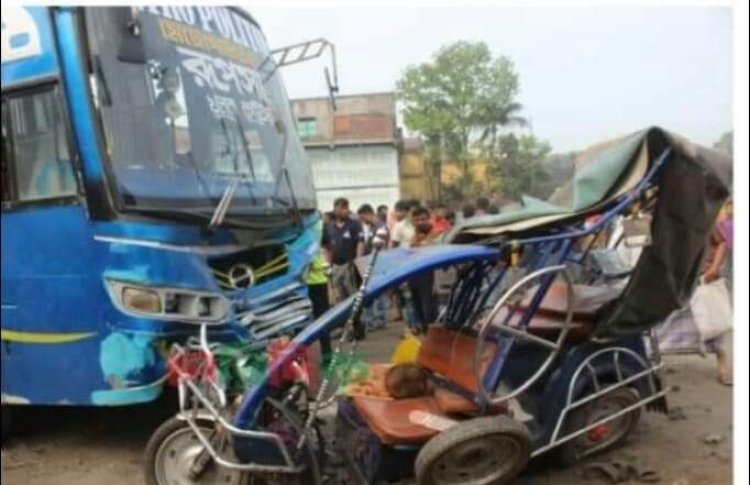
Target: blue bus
x: 152, y: 179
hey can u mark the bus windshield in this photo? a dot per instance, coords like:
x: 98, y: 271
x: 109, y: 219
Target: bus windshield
x: 198, y: 108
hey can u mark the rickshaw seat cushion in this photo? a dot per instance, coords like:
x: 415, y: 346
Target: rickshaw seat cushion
x: 389, y: 419
x: 587, y: 300
x: 451, y: 354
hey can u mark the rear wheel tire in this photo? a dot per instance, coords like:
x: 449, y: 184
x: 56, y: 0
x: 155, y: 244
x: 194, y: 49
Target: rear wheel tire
x: 481, y: 451
x: 606, y: 436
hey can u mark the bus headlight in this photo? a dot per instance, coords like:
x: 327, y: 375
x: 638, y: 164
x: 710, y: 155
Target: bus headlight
x: 174, y: 304
x: 141, y: 300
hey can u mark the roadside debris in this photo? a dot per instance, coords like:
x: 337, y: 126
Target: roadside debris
x: 619, y: 471
x: 676, y: 413
x: 713, y: 439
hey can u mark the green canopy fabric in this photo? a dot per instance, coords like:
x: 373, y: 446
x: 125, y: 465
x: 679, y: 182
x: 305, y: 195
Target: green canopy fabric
x: 692, y: 186
x: 602, y: 173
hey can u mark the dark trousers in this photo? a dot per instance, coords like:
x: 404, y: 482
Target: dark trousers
x: 319, y: 299
x: 423, y: 298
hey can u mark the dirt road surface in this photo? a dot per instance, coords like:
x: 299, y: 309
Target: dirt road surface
x: 94, y: 446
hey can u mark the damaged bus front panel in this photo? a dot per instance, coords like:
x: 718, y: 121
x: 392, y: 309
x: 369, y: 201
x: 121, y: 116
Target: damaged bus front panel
x: 152, y: 179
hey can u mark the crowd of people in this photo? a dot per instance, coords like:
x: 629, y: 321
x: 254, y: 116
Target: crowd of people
x: 346, y: 235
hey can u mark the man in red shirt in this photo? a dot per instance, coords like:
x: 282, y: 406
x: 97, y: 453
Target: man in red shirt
x: 440, y: 223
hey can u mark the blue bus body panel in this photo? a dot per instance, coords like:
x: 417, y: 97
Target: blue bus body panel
x: 63, y: 339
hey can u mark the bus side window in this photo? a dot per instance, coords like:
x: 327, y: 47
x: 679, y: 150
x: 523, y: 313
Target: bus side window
x: 39, y: 152
x: 5, y: 170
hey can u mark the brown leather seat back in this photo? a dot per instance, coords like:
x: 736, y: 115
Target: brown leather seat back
x: 451, y: 354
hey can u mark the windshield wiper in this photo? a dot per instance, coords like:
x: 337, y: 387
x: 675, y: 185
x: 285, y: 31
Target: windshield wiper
x: 285, y: 172
x: 217, y: 218
x: 245, y: 143
x: 222, y: 208
x: 228, y: 141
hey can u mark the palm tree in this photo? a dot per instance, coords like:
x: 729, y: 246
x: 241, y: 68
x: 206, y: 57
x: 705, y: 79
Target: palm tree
x: 495, y: 118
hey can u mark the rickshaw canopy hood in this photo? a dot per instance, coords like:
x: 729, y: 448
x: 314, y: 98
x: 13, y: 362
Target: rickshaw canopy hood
x: 603, y: 172
x: 691, y: 185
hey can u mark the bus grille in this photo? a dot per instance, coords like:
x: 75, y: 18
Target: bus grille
x: 249, y: 268
x: 277, y: 312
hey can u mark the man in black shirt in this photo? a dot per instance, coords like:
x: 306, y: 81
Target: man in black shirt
x: 344, y: 242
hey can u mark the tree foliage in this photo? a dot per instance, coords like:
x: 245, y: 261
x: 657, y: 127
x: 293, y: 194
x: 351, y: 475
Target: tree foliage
x: 726, y: 142
x: 516, y: 163
x: 463, y: 95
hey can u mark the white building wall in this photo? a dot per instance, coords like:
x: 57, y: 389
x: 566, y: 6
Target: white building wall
x: 362, y: 174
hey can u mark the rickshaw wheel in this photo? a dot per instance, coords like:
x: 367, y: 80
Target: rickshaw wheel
x: 602, y: 437
x: 171, y: 451
x: 481, y: 451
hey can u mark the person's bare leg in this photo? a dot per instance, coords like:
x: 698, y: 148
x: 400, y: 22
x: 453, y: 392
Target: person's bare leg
x: 722, y: 367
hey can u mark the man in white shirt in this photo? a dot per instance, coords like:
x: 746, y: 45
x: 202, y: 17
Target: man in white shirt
x: 403, y: 231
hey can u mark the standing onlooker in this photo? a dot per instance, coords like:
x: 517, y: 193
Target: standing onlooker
x: 719, y: 264
x: 317, y: 289
x: 440, y: 223
x: 328, y: 218
x: 370, y: 225
x: 468, y: 211
x: 343, y: 242
x: 403, y: 232
x: 400, y: 212
x: 422, y: 286
x: 450, y: 217
x: 483, y: 206
x: 382, y: 215
x: 375, y: 313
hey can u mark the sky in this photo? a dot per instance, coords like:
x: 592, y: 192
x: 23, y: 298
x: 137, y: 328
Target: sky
x: 586, y: 74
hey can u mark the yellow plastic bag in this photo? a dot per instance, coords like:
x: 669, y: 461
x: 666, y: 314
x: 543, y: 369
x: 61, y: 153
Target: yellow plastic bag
x: 407, y: 350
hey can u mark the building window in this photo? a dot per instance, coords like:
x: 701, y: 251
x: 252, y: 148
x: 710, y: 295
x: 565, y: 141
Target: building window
x: 307, y: 127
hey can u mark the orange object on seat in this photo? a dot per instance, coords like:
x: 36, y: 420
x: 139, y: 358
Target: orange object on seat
x: 451, y: 354
x: 389, y: 420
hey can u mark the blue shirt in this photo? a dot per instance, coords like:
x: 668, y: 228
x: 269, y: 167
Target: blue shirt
x: 342, y: 241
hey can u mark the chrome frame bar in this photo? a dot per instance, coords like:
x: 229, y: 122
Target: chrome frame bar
x: 207, y: 410
x: 190, y: 417
x: 252, y: 467
x: 565, y: 439
x: 520, y: 334
x: 648, y: 372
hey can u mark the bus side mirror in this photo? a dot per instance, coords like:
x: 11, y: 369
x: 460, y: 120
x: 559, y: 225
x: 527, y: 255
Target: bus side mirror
x: 130, y: 47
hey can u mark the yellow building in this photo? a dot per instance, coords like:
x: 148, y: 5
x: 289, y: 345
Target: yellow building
x: 420, y: 181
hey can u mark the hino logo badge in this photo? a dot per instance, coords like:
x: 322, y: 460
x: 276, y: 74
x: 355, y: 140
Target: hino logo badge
x: 20, y: 35
x: 241, y: 276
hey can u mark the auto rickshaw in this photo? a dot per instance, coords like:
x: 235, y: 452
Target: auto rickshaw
x: 539, y: 348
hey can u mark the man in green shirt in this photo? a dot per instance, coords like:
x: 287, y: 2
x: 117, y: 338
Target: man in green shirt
x: 317, y: 289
